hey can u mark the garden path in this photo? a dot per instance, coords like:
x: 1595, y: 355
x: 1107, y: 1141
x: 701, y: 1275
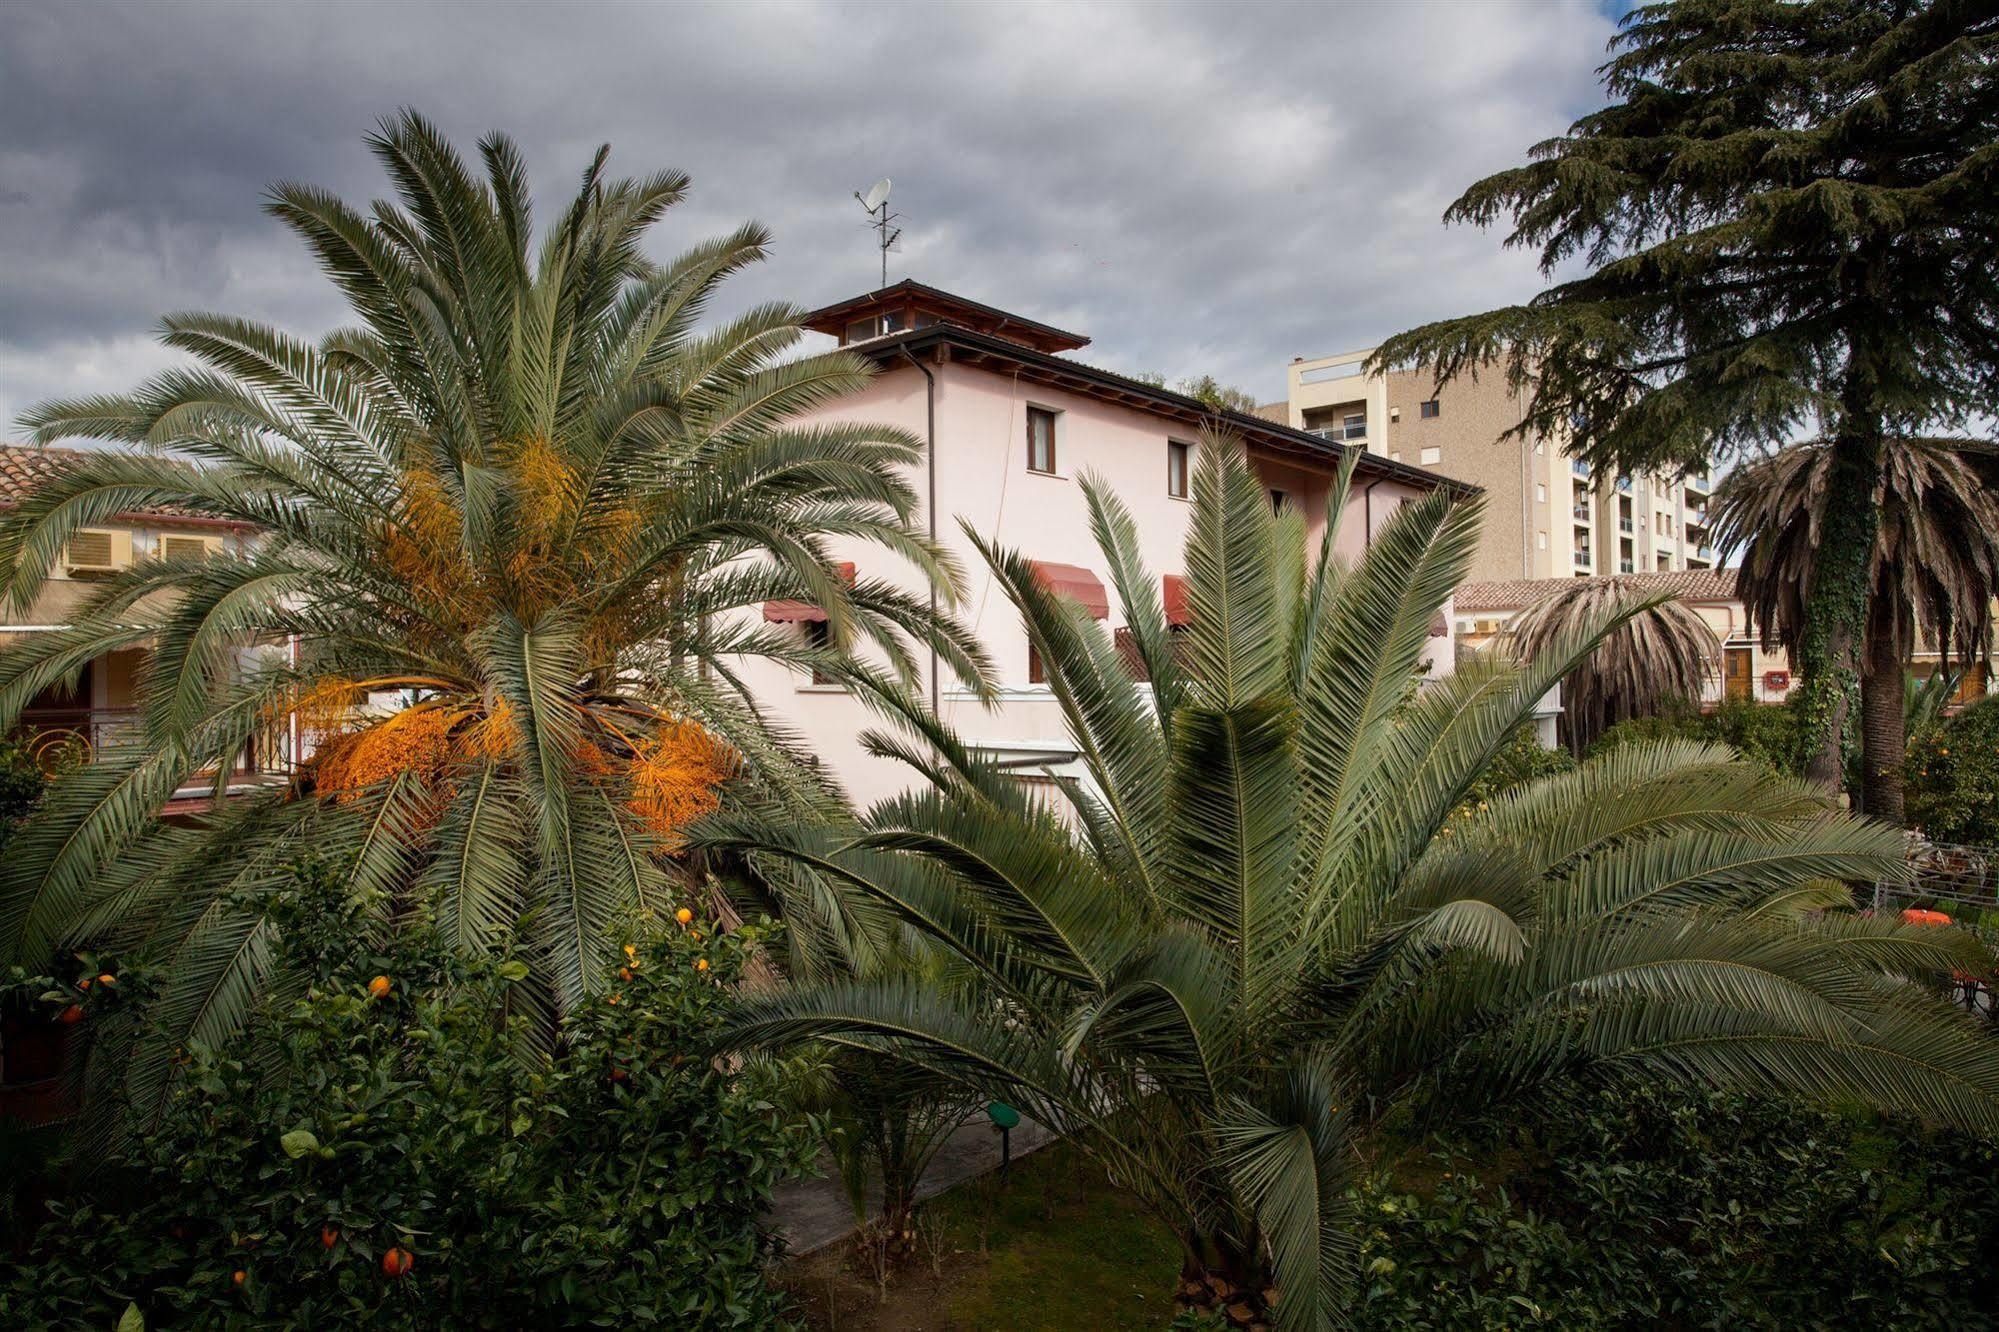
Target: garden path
x: 812, y: 1213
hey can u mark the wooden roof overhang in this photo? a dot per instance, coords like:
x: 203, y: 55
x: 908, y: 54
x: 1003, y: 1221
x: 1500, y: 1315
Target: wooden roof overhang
x: 942, y: 343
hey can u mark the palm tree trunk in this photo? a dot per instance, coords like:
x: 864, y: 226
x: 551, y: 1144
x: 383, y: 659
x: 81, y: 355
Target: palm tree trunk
x: 1881, y: 729
x: 1836, y: 610
x: 1216, y: 1278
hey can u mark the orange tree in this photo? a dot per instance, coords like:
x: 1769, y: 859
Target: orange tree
x: 388, y: 1163
x: 528, y: 497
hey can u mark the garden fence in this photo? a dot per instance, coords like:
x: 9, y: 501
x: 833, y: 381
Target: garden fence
x: 1962, y: 882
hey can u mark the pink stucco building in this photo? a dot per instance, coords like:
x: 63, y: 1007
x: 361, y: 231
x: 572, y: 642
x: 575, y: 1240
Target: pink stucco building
x: 1009, y: 421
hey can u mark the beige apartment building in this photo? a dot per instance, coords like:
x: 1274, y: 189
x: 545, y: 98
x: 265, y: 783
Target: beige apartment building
x: 1546, y: 515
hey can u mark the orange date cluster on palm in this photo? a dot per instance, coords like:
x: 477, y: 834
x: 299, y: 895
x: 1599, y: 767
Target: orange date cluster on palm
x: 669, y: 770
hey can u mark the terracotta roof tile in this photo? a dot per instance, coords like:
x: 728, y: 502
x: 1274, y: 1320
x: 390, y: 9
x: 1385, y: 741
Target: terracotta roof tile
x: 25, y: 466
x: 1519, y: 593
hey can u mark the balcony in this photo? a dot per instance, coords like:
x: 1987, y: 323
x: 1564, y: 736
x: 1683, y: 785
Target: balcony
x: 1698, y: 482
x: 1582, y: 559
x: 1624, y: 525
x: 1624, y: 484
x: 1581, y: 512
x: 1697, y: 517
x: 1579, y: 468
x: 59, y: 736
x: 1626, y: 566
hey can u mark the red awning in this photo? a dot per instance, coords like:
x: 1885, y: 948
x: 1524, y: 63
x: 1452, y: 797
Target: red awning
x: 1173, y: 591
x: 1076, y: 583
x: 798, y: 612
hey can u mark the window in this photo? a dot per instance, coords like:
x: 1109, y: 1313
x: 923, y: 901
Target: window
x: 1040, y: 440
x: 1432, y: 456
x: 1177, y: 454
x: 1355, y: 426
x: 1431, y: 409
x: 1035, y: 675
x: 819, y: 638
x: 1278, y: 499
x: 1541, y: 540
x: 1540, y: 493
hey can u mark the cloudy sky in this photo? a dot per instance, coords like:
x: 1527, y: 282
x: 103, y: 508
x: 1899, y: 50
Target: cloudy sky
x: 1198, y: 187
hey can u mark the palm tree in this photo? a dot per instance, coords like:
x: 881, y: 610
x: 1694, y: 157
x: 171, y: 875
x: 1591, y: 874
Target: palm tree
x: 527, y: 491
x: 1934, y: 570
x: 1664, y: 651
x: 1253, y: 927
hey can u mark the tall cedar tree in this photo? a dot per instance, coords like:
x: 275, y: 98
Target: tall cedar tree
x: 1788, y: 217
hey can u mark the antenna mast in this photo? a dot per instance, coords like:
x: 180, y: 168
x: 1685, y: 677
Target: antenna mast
x: 875, y: 202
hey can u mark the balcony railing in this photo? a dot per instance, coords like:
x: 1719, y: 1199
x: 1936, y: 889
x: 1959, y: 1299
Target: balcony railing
x: 1624, y: 484
x: 1699, y: 481
x: 1581, y: 512
x: 1626, y: 566
x: 1579, y: 467
x: 58, y: 736
x: 1697, y: 517
x: 1624, y: 524
x: 1582, y: 559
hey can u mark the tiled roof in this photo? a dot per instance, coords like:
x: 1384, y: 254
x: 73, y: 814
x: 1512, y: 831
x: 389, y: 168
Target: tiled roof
x: 25, y: 466
x: 1519, y: 593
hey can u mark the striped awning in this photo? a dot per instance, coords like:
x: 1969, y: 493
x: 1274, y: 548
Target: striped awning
x: 800, y: 612
x: 1076, y: 583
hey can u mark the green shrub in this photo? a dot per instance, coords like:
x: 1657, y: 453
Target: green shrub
x: 621, y: 1184
x: 1769, y: 733
x: 1693, y: 1209
x: 21, y: 783
x: 1523, y: 758
x: 1952, y: 777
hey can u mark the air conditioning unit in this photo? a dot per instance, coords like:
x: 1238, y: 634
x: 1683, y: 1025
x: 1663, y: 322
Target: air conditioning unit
x: 97, y: 550
x: 177, y: 547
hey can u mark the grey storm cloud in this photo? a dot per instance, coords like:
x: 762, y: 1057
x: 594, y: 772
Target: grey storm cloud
x: 1200, y: 188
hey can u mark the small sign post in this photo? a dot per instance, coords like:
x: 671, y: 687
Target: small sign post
x: 1005, y: 1118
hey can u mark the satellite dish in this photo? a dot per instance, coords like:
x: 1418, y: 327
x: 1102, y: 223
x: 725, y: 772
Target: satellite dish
x: 876, y: 195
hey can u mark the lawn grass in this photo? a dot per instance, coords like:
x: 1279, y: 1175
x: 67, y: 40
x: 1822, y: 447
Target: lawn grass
x: 1053, y: 1246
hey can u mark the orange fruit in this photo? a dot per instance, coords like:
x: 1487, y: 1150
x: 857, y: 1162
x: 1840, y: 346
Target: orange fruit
x: 614, y: 999
x: 329, y: 1235
x: 107, y: 980
x: 701, y: 964
x: 619, y: 1075
x: 378, y: 987
x: 239, y: 1276
x: 683, y: 915
x: 624, y: 973
x: 397, y: 1261
x: 83, y: 984
x: 73, y: 1014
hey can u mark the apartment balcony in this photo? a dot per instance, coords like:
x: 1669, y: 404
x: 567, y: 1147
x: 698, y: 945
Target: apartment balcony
x: 1624, y: 484
x: 1579, y: 468
x: 1624, y: 525
x: 1582, y: 514
x: 1697, y: 517
x: 1626, y: 566
x: 1582, y: 559
x: 58, y: 737
x: 61, y: 735
x: 1698, y: 483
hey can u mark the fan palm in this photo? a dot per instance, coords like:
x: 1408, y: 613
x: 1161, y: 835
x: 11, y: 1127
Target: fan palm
x: 1934, y: 570
x: 525, y: 491
x: 1258, y: 923
x: 1664, y: 651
